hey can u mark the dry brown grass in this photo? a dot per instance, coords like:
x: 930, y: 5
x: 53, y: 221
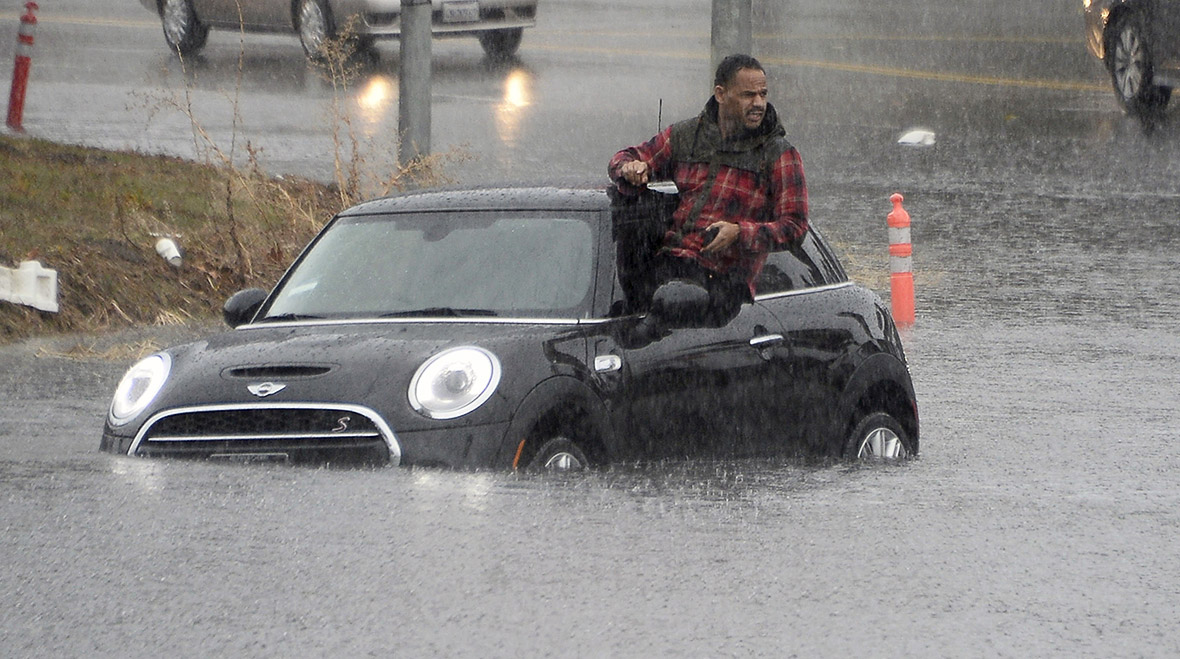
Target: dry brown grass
x: 95, y: 216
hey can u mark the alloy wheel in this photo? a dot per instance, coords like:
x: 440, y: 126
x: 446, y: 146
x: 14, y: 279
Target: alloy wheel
x: 882, y: 443
x: 1130, y: 62
x: 564, y: 462
x: 313, y: 26
x: 177, y: 20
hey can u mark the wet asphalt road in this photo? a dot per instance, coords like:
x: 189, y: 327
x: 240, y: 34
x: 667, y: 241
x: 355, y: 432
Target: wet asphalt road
x: 1041, y: 518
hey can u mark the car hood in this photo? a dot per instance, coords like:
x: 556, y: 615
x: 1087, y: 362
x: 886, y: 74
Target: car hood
x: 355, y: 364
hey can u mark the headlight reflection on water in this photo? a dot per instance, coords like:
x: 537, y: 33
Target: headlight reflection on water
x: 142, y: 474
x: 438, y: 488
x: 517, y: 97
x: 374, y: 102
x: 374, y: 105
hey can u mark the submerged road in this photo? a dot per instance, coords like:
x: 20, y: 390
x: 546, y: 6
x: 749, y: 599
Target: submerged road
x: 1039, y: 520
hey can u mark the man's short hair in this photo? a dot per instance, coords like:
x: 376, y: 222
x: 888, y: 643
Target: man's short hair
x: 728, y: 68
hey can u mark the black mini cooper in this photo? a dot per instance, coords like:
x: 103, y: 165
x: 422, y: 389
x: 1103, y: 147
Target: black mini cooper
x: 515, y: 328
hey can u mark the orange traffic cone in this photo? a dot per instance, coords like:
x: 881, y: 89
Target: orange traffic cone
x: 901, y: 265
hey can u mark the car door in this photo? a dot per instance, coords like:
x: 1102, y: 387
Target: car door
x: 695, y: 391
x: 805, y: 289
x: 687, y: 391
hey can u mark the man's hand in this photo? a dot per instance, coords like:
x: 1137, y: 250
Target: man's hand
x: 636, y: 172
x: 727, y: 234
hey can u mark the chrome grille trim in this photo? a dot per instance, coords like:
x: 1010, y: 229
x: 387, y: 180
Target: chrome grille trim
x: 383, y: 430
x: 262, y: 438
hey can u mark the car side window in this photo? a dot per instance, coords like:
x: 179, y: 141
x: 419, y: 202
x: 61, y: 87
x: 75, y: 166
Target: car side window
x: 806, y: 265
x: 822, y: 256
x: 789, y: 270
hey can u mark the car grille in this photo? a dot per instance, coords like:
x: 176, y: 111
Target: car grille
x: 282, y: 431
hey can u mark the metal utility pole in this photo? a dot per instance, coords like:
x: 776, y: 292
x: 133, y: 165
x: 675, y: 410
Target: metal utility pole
x: 413, y: 103
x: 732, y: 29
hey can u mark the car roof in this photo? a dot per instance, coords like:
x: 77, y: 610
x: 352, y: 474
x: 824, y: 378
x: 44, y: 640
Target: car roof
x: 474, y: 199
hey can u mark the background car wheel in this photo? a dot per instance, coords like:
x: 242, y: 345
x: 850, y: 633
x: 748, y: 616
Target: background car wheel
x: 182, y: 30
x: 501, y: 44
x: 1131, y: 67
x: 316, y: 27
x: 559, y: 454
x: 878, y: 435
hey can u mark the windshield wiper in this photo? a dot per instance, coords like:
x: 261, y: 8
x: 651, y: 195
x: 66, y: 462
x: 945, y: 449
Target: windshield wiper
x: 446, y: 312
x: 284, y: 317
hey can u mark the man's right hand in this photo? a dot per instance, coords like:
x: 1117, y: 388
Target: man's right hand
x: 636, y: 172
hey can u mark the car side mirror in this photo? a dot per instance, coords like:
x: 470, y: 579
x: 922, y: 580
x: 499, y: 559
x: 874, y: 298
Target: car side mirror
x: 678, y: 304
x: 241, y: 306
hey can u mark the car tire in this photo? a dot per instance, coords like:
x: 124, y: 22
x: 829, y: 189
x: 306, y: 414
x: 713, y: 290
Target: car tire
x: 1129, y: 60
x: 316, y: 27
x: 558, y: 454
x: 183, y: 31
x: 879, y: 436
x: 500, y: 45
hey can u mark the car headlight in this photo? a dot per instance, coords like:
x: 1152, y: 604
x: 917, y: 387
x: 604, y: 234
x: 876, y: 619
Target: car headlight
x: 139, y: 387
x: 454, y: 382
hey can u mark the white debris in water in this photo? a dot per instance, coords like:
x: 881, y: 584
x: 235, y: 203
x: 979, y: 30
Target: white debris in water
x: 917, y: 137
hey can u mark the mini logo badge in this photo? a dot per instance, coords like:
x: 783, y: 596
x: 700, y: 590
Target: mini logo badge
x: 264, y: 389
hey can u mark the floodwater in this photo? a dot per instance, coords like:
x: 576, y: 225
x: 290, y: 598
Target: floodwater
x: 1040, y: 519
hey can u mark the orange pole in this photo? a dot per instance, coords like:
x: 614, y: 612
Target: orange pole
x: 901, y: 265
x: 519, y: 450
x: 20, y: 68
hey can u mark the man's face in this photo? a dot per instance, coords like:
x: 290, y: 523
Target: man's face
x: 743, y: 101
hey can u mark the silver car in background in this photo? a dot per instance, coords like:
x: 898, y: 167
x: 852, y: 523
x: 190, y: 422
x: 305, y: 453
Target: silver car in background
x: 497, y: 23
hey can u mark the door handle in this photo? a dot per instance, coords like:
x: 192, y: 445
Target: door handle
x: 766, y: 340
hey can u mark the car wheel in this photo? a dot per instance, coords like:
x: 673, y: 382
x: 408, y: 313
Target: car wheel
x: 1131, y: 67
x: 878, y: 436
x: 316, y: 27
x: 182, y: 30
x: 500, y: 45
x: 559, y: 454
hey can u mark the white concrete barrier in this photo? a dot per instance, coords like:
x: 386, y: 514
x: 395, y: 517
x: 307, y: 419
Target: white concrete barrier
x: 30, y: 284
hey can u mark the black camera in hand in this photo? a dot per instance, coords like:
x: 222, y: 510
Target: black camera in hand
x: 710, y: 236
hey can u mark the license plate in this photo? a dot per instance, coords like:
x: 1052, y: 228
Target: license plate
x: 460, y: 12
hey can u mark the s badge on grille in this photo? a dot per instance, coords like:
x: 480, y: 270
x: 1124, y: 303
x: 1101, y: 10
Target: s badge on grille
x: 264, y: 389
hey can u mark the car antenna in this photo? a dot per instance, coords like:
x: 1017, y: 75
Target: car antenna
x: 660, y: 117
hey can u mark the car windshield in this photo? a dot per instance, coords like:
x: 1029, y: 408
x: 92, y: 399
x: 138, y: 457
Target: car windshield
x: 449, y: 264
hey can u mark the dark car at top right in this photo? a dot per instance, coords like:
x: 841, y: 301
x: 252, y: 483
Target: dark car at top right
x: 1139, y: 41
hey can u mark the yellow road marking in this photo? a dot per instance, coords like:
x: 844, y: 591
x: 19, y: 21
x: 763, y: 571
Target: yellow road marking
x: 953, y: 38
x: 884, y: 71
x: 914, y: 74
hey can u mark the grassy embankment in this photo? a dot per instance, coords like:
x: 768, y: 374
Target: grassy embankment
x: 95, y: 217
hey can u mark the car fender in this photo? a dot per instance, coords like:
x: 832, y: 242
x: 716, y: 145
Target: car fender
x: 1098, y: 34
x: 560, y: 395
x: 881, y: 382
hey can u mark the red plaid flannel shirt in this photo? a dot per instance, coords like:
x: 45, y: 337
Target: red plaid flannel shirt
x: 735, y: 198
